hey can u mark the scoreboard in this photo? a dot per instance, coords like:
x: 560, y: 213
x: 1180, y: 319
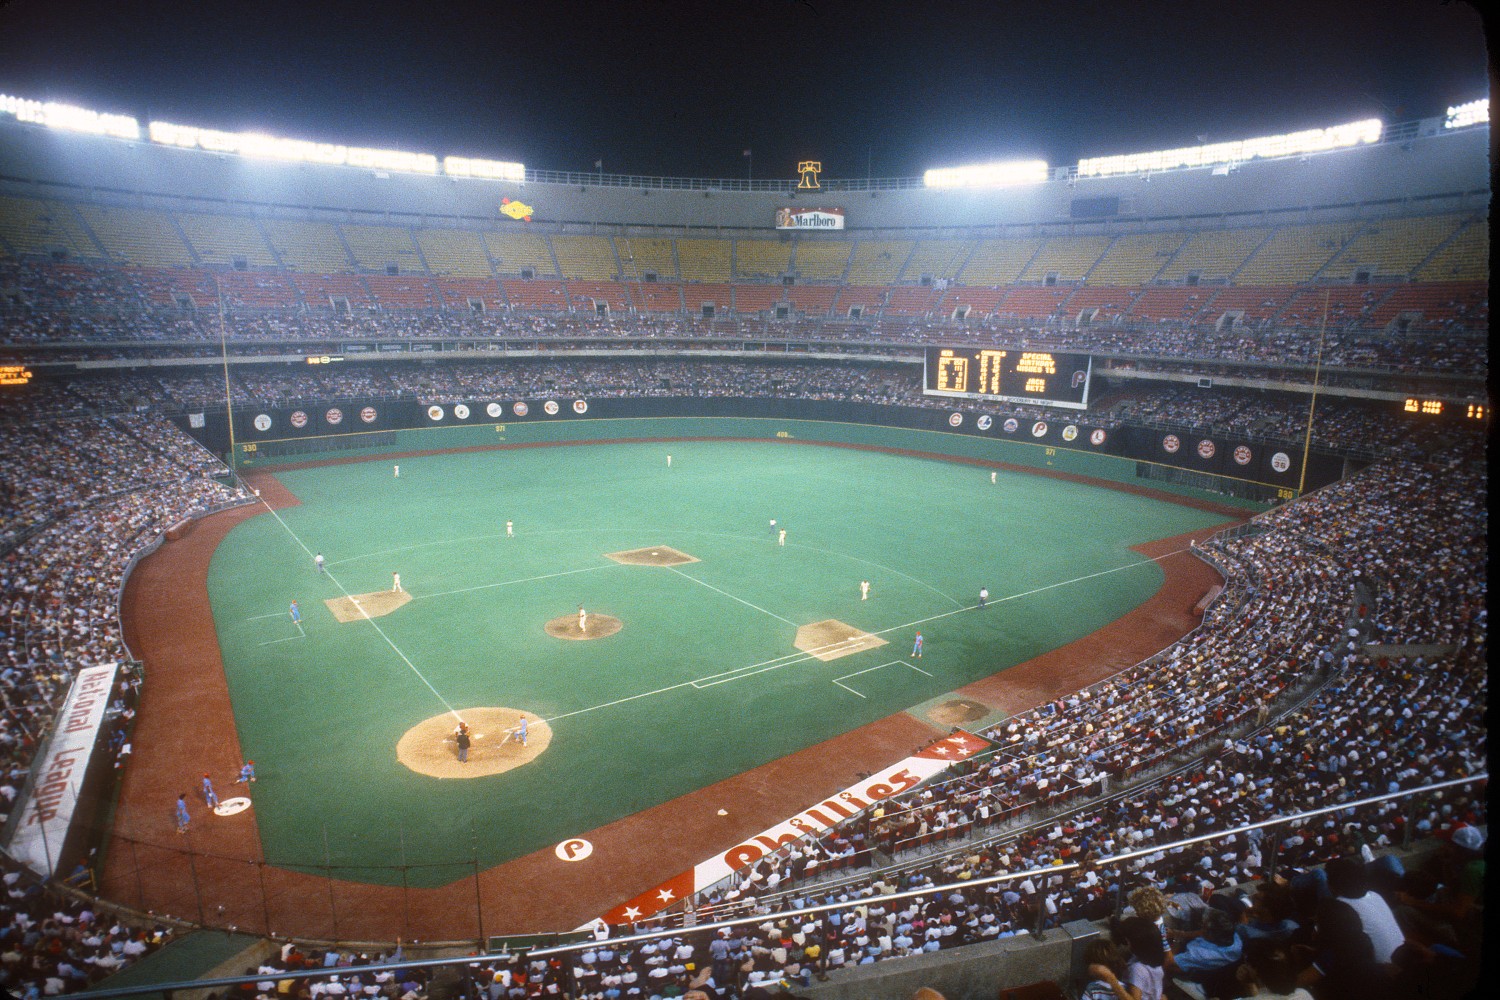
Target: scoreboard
x: 1043, y: 377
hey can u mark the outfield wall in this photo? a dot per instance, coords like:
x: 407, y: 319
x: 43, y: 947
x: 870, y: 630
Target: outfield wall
x: 366, y: 428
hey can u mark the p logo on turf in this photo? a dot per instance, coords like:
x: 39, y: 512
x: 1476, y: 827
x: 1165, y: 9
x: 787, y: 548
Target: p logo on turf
x: 574, y: 850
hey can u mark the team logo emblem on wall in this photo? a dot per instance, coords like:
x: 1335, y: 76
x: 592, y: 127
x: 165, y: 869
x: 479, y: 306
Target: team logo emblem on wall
x: 520, y: 409
x: 551, y: 407
x: 1097, y: 438
x: 1039, y: 428
x: 460, y: 412
x: 299, y: 419
x: 262, y: 422
x: 1280, y: 462
x: 1070, y: 432
x: 434, y: 413
x: 954, y: 419
x: 984, y: 421
x: 494, y: 409
x: 1242, y: 455
x: 1205, y: 448
x: 1010, y: 425
x: 368, y: 414
x: 580, y: 406
x: 334, y: 416
x: 1170, y: 444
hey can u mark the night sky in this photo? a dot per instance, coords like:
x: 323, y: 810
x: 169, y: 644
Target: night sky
x: 682, y: 89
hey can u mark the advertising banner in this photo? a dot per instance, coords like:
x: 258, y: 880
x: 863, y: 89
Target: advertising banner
x: 809, y: 218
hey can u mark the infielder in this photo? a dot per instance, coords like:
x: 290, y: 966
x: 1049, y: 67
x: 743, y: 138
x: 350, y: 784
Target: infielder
x: 395, y: 583
x: 916, y: 647
x: 583, y: 619
x: 781, y: 538
x: 296, y: 613
x: 183, y: 819
x: 510, y: 529
x: 521, y: 732
x: 864, y: 590
x: 318, y: 562
x: 209, y: 795
x: 984, y: 595
x: 247, y: 773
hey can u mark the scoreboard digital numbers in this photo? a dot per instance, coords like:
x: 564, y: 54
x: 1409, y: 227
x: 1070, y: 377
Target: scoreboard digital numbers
x: 1043, y: 377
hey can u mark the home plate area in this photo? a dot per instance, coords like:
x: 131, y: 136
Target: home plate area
x: 830, y: 639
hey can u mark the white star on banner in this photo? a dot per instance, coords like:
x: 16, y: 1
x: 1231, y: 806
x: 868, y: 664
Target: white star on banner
x: 666, y: 895
x: 631, y: 913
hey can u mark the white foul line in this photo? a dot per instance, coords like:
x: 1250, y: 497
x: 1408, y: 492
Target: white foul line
x: 894, y: 663
x: 746, y: 603
x: 373, y: 624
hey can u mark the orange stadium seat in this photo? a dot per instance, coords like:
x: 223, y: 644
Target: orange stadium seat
x: 541, y: 296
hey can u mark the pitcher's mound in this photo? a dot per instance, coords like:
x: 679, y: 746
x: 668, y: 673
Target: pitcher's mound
x: 831, y: 639
x: 358, y: 607
x: 599, y: 626
x: 656, y: 555
x: 429, y: 747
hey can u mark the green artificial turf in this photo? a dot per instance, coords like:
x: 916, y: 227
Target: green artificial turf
x: 322, y: 711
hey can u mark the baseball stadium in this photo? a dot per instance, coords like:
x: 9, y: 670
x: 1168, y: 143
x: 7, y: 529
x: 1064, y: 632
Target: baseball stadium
x: 429, y: 576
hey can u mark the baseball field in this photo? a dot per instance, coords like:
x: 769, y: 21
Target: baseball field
x: 711, y: 645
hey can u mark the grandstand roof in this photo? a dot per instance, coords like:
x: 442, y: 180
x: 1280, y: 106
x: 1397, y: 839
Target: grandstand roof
x: 864, y: 85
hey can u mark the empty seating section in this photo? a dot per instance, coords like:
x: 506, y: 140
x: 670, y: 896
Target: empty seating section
x: 586, y: 295
x: 1108, y: 301
x: 821, y: 260
x: 1136, y: 260
x: 258, y: 290
x: 651, y: 296
x: 1465, y: 258
x: 937, y: 259
x: 640, y: 254
x: 878, y: 263
x: 1295, y: 254
x: 812, y: 300
x: 1257, y: 304
x: 998, y: 262
x: 705, y: 260
x: 324, y: 292
x: 1069, y: 257
x: 719, y: 295
x: 514, y: 252
x: 911, y: 300
x: 759, y: 298
x: 980, y: 301
x: 314, y: 247
x: 589, y: 257
x: 34, y: 226
x: 462, y: 293
x: 762, y: 259
x: 1392, y: 247
x: 547, y: 296
x: 1213, y: 255
x: 164, y: 286
x: 133, y: 236
x: 376, y: 248
x: 458, y: 252
x: 403, y: 292
x: 868, y: 300
x: 1175, y: 304
x: 1033, y: 303
x: 1346, y: 304
x: 1439, y: 304
x: 224, y: 240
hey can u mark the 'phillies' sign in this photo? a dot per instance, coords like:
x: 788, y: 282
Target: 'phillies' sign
x: 900, y: 777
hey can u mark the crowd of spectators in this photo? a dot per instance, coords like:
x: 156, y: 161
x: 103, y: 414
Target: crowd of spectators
x: 69, y: 303
x: 79, y: 497
x: 1340, y: 425
x: 1395, y: 555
